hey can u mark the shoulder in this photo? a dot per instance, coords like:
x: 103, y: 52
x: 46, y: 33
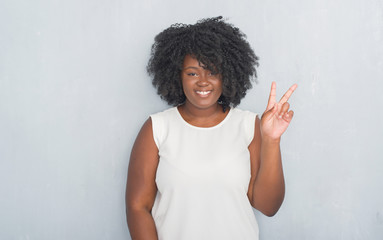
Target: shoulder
x: 246, y: 121
x: 160, y: 119
x: 160, y: 123
x: 144, y: 139
x: 243, y: 114
x: 241, y: 111
x: 165, y: 113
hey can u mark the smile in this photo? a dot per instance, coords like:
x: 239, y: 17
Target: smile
x: 203, y: 93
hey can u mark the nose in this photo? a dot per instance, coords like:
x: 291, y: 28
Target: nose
x: 203, y: 81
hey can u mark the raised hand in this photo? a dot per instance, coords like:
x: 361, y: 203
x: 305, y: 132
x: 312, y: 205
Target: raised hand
x: 277, y: 116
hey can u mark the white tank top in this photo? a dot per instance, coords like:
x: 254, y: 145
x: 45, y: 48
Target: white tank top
x: 203, y: 177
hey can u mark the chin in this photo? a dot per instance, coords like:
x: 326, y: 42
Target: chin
x: 204, y: 105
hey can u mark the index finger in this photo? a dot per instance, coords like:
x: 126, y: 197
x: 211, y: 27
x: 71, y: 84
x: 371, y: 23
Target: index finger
x: 287, y: 95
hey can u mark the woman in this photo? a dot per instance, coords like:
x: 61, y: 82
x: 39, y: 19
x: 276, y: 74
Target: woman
x: 197, y: 169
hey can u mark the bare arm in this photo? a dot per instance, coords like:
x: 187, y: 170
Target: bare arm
x: 141, y: 187
x: 267, y: 186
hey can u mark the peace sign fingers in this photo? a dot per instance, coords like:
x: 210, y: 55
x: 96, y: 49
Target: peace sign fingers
x: 287, y: 95
x: 277, y: 116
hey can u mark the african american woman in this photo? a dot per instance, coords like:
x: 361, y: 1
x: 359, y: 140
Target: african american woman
x: 199, y: 168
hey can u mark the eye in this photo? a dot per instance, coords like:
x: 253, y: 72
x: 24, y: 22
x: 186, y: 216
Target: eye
x: 192, y: 74
x: 213, y: 74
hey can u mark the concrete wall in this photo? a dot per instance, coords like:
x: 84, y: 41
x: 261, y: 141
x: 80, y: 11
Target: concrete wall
x: 74, y: 93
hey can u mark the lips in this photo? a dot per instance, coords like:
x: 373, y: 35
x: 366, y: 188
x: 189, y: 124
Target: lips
x: 204, y: 93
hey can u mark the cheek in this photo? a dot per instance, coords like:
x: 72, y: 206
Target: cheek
x: 187, y: 88
x: 219, y: 86
x: 186, y: 85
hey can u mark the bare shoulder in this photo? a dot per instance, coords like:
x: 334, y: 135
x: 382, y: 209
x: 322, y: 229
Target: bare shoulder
x: 144, y: 148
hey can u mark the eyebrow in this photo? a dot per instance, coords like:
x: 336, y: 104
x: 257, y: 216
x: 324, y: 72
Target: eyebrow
x: 191, y: 67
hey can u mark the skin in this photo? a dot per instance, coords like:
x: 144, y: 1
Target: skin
x: 267, y: 187
x: 202, y: 89
x: 201, y: 110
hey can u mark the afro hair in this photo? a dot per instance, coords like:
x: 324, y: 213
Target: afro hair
x: 218, y: 45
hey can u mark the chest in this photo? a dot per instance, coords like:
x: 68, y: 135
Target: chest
x: 198, y: 159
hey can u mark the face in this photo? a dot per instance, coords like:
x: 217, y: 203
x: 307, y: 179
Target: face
x: 201, y: 87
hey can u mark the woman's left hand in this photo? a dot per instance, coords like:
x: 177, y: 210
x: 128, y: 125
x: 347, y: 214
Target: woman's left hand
x: 277, y: 116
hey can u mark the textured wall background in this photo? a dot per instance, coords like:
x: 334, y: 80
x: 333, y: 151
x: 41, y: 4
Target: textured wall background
x: 74, y: 93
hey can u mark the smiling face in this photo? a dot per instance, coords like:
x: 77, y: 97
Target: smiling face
x: 202, y: 88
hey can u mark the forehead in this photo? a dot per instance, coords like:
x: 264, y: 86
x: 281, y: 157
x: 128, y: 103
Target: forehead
x: 191, y: 61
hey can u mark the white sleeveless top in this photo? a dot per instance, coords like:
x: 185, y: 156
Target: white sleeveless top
x: 203, y: 177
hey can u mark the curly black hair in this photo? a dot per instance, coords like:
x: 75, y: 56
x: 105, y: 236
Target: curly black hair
x: 218, y: 45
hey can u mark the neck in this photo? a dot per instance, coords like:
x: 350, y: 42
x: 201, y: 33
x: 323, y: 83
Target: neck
x: 194, y: 112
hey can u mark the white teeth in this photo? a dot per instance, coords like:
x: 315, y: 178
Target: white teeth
x: 203, y: 92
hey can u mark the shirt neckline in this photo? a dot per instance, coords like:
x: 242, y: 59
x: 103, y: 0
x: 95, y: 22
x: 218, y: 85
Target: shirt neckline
x: 204, y: 128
